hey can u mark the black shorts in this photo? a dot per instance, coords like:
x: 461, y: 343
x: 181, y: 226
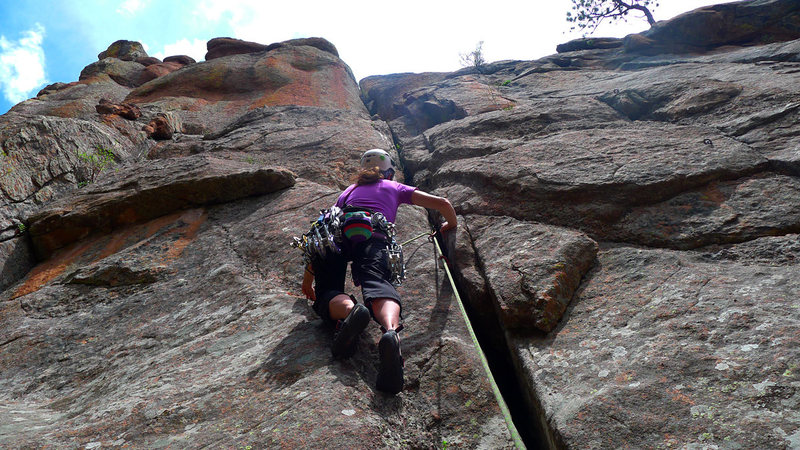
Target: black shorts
x: 329, y: 276
x: 370, y: 270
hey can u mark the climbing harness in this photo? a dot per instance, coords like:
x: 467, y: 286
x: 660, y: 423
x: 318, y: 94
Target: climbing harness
x: 336, y: 229
x: 498, y: 396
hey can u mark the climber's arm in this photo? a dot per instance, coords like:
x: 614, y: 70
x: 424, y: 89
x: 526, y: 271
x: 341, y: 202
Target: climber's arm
x: 308, y: 281
x: 440, y: 204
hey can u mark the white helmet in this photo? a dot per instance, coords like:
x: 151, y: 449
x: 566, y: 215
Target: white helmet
x: 381, y: 159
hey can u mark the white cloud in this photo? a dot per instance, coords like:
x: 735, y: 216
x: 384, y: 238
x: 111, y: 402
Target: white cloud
x: 131, y: 7
x: 195, y: 48
x: 22, y: 65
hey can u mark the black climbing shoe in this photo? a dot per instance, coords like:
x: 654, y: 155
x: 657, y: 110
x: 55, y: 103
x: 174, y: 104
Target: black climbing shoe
x: 348, y: 330
x: 390, y: 372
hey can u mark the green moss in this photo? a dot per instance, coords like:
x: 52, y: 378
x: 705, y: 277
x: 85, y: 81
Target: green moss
x: 113, y: 50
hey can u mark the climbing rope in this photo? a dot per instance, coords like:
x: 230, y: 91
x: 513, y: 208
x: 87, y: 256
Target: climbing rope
x: 503, y: 407
x: 427, y: 233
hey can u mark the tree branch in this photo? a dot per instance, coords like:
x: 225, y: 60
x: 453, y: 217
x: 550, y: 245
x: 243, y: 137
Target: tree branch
x: 642, y: 8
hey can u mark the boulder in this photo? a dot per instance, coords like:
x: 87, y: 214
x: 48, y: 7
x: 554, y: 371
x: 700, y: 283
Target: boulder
x: 317, y: 42
x: 154, y: 71
x: 211, y: 95
x: 163, y: 126
x: 181, y: 261
x: 126, y: 110
x: 183, y: 60
x: 147, y: 60
x: 225, y: 46
x: 125, y: 73
x: 124, y: 50
x: 742, y: 23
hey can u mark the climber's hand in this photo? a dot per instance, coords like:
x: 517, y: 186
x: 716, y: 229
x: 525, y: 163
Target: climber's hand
x: 308, y: 288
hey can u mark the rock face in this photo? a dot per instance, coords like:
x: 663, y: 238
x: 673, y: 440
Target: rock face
x: 149, y: 294
x: 630, y: 224
x: 628, y: 246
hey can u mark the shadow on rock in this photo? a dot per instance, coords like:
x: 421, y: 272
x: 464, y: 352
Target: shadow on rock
x: 301, y: 352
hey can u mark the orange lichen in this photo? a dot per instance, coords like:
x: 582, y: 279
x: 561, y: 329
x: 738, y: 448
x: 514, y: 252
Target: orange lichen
x: 193, y: 219
x: 678, y: 396
x: 52, y: 268
x: 95, y: 249
x: 68, y: 110
x: 307, y: 88
x: 114, y: 245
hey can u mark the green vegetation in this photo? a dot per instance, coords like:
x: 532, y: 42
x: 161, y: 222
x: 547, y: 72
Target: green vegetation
x: 97, y: 161
x: 474, y: 58
x: 5, y: 161
x: 21, y: 226
x: 587, y: 15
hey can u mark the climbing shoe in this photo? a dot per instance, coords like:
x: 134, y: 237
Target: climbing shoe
x: 348, y: 330
x: 390, y: 372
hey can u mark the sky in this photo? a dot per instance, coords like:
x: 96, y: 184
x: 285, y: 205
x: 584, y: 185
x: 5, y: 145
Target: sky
x: 48, y: 41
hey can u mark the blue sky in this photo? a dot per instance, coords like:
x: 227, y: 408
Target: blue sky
x: 45, y: 41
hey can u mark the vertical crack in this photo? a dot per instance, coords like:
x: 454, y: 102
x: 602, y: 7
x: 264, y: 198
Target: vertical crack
x: 525, y: 408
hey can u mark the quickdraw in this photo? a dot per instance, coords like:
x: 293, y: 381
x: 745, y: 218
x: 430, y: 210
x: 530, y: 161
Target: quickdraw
x: 323, y: 238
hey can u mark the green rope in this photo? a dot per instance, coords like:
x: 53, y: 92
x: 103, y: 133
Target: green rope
x: 503, y: 407
x: 415, y: 238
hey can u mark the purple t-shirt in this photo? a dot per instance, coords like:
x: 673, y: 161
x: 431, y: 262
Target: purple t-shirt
x: 383, y: 196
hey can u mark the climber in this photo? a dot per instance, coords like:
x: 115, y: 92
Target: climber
x: 373, y: 194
